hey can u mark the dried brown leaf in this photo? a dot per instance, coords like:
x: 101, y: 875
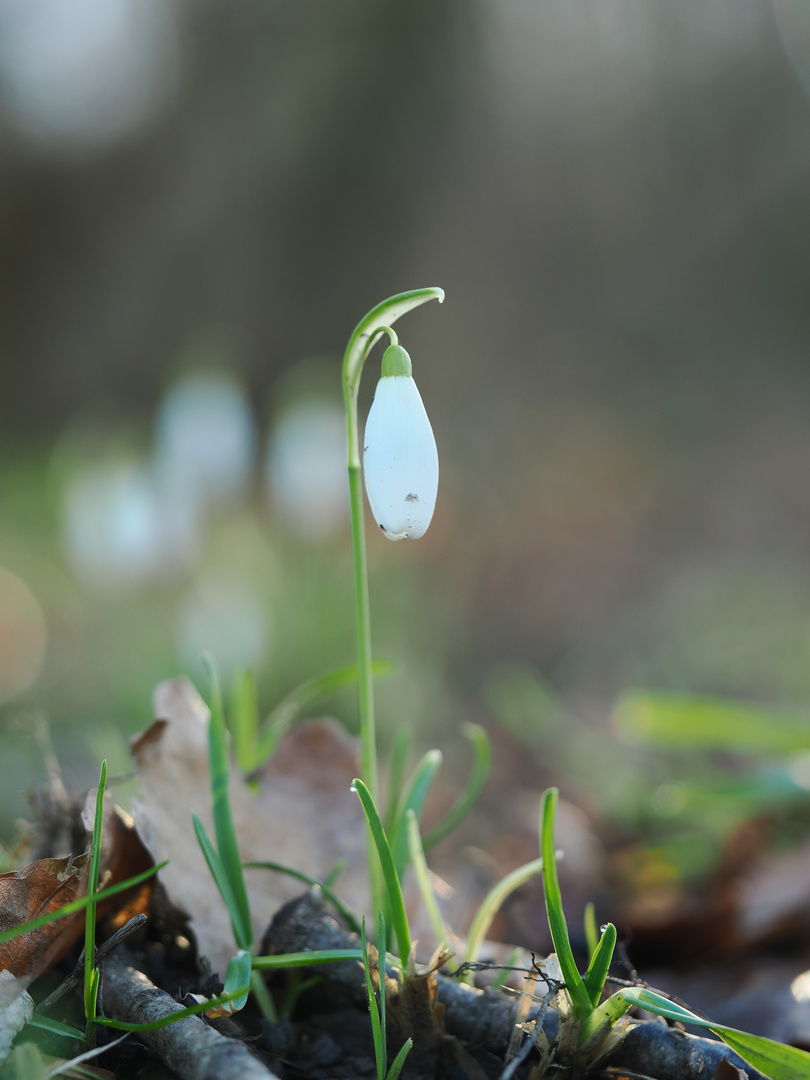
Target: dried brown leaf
x: 123, y: 855
x: 37, y: 889
x: 304, y: 815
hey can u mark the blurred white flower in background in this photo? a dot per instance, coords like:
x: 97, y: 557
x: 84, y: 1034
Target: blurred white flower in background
x: 23, y: 635
x: 306, y: 467
x: 118, y: 531
x: 204, y: 440
x: 224, y: 616
x: 132, y: 521
x: 86, y: 71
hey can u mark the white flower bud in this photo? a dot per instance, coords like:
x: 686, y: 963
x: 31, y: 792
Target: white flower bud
x: 400, y: 460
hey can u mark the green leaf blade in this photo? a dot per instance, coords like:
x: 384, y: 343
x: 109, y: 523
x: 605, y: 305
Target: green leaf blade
x: 373, y: 1008
x: 237, y: 977
x: 399, y: 1060
x: 328, y: 892
x: 417, y: 858
x: 390, y: 878
x: 600, y: 964
x: 172, y: 1018
x: 227, y: 847
x: 776, y: 1060
x: 580, y: 998
x: 413, y: 800
x: 244, y: 720
x: 283, y: 715
x: 482, y: 759
x: 682, y: 720
x: 492, y: 902
x: 305, y: 959
x: 218, y: 873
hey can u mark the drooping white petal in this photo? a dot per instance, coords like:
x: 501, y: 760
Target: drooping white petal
x: 400, y: 460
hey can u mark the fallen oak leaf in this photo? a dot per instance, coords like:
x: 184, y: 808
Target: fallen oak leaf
x: 302, y: 815
x: 39, y: 889
x: 123, y: 856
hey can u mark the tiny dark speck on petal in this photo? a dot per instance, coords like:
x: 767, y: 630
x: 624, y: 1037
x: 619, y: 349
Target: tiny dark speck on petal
x: 382, y: 527
x: 412, y: 498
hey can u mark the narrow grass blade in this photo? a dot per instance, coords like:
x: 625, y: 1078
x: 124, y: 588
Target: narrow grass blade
x: 54, y: 1027
x: 227, y: 847
x: 78, y: 905
x: 697, y: 721
x: 580, y: 999
x: 373, y: 1008
x: 604, y: 1017
x: 263, y: 997
x: 335, y: 872
x: 244, y: 721
x: 490, y: 905
x: 181, y: 1014
x: 422, y: 872
x: 775, y: 1060
x: 91, y: 1006
x: 413, y: 799
x: 238, y: 975
x: 600, y: 964
x: 589, y: 926
x: 305, y: 959
x: 475, y: 785
x: 399, y: 1060
x: 77, y: 1068
x: 390, y: 877
x: 278, y: 721
x: 396, y: 776
x: 90, y: 973
x: 346, y: 913
x: 217, y: 870
x: 382, y: 952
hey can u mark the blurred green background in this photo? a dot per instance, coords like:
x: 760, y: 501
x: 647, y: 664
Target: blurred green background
x: 198, y: 201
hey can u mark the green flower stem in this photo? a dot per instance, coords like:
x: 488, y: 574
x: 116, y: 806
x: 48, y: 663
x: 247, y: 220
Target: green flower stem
x: 365, y: 691
x: 363, y: 337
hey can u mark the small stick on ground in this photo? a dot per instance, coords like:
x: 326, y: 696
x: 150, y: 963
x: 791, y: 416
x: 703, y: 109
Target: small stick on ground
x: 486, y: 1018
x: 102, y: 952
x: 193, y: 1049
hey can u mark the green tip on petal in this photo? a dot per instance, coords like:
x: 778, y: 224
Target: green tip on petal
x: 395, y: 361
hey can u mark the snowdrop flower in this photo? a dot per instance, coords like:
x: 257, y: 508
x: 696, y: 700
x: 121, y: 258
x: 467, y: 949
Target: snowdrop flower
x: 400, y: 460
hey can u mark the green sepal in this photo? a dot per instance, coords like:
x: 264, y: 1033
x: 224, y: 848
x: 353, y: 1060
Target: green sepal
x: 396, y: 361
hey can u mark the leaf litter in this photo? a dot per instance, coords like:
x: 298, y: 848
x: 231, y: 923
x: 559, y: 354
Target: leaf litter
x: 301, y: 813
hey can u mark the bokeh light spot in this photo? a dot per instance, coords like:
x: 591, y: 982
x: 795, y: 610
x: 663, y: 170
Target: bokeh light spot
x: 23, y: 635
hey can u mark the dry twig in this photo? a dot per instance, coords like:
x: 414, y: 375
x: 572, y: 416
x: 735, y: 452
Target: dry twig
x: 193, y: 1049
x: 102, y: 952
x: 486, y: 1018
